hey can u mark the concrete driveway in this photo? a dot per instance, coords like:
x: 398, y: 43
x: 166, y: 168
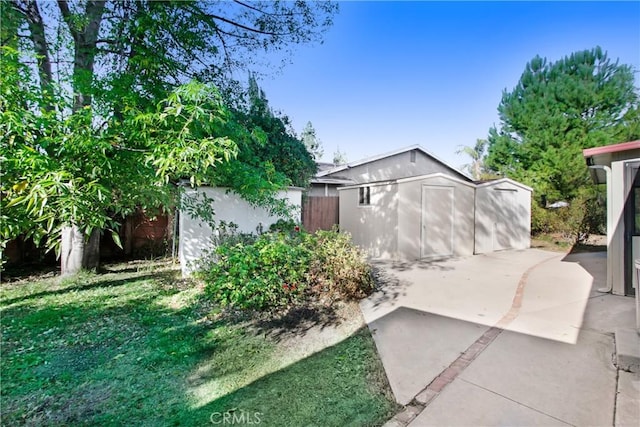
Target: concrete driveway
x: 509, y: 338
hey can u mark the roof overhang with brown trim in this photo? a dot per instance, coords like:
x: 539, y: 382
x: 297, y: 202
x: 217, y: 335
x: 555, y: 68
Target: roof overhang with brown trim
x: 603, y: 156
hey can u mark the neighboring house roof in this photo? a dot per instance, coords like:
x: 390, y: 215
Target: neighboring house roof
x: 331, y: 180
x: 339, y: 168
x: 323, y: 166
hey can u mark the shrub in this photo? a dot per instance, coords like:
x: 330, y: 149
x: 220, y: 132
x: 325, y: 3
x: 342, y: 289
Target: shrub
x: 269, y: 273
x: 284, y: 226
x: 585, y: 215
x: 338, y: 268
x: 286, y: 268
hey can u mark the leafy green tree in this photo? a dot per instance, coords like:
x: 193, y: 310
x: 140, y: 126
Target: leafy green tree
x: 311, y: 141
x: 85, y: 125
x: 59, y: 171
x: 556, y: 110
x: 271, y: 156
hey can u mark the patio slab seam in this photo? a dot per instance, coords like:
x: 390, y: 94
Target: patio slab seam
x: 515, y: 401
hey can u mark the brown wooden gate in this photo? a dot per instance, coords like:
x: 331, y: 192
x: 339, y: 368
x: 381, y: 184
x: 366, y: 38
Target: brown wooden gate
x: 320, y: 213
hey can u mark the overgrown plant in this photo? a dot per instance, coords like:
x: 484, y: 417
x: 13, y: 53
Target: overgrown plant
x: 97, y: 115
x: 285, y: 268
x: 269, y: 273
x: 337, y: 269
x: 584, y: 216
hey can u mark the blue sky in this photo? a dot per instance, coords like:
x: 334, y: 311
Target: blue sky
x: 393, y: 74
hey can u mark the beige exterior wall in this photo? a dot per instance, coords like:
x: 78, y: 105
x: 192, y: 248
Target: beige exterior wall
x: 396, y: 167
x: 619, y: 194
x: 616, y: 246
x: 412, y: 231
x: 195, y: 235
x: 503, y: 217
x: 394, y: 226
x: 375, y: 227
x: 323, y: 190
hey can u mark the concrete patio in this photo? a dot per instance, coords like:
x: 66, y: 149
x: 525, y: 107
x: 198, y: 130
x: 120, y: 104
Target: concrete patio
x: 508, y: 338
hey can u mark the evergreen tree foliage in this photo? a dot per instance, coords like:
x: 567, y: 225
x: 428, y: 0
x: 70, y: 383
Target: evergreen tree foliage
x: 311, y: 141
x: 556, y: 110
x: 339, y: 157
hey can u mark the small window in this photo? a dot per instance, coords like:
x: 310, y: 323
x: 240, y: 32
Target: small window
x: 413, y: 156
x: 365, y: 196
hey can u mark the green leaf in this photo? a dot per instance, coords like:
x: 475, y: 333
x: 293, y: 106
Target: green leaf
x: 16, y: 201
x: 116, y: 239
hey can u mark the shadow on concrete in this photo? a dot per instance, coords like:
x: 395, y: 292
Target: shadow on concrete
x: 433, y: 263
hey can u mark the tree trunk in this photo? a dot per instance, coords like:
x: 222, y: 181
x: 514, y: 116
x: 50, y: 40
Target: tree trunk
x: 77, y: 252
x: 127, y: 244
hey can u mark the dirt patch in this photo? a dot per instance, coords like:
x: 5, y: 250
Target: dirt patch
x: 559, y: 243
x: 594, y: 243
x: 83, y: 404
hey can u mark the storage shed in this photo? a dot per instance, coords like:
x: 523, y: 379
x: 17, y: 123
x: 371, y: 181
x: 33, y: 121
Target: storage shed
x: 436, y: 215
x: 426, y: 216
x: 503, y: 216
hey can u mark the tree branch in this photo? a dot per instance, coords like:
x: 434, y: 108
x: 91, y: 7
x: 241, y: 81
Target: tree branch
x: 244, y: 27
x: 37, y: 32
x: 248, y: 6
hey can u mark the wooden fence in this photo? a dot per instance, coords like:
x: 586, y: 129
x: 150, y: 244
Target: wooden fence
x: 320, y: 213
x: 140, y: 235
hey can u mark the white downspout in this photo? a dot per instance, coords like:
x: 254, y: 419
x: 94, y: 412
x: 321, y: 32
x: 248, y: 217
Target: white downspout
x: 609, y: 283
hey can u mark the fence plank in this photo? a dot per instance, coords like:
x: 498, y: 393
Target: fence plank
x: 320, y: 213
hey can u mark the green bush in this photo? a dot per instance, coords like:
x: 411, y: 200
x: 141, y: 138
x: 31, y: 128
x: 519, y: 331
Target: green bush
x: 269, y: 273
x: 284, y: 226
x: 585, y: 215
x: 283, y: 269
x: 337, y: 268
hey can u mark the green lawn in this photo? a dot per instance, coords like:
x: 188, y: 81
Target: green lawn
x: 139, y: 346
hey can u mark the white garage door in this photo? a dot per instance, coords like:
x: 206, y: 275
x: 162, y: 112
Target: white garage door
x: 437, y: 221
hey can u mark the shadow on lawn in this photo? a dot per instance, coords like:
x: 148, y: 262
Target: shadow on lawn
x: 122, y: 341
x: 126, y: 357
x: 95, y: 282
x: 297, y: 321
x: 333, y: 387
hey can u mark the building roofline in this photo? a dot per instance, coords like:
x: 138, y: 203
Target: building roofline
x: 389, y: 154
x: 330, y: 180
x: 503, y: 180
x: 613, y: 148
x: 408, y: 179
x: 368, y: 184
x: 435, y: 175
